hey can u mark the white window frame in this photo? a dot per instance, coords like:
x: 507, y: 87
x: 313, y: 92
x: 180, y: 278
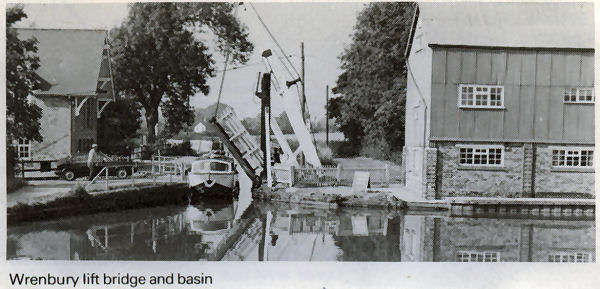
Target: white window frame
x: 484, y: 91
x: 26, y: 146
x: 481, y: 147
x: 575, y: 153
x: 576, y: 95
x: 475, y: 256
x: 573, y: 257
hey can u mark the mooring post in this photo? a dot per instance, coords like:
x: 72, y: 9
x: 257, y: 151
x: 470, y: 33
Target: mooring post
x: 387, y: 175
x: 106, y: 177
x: 292, y: 175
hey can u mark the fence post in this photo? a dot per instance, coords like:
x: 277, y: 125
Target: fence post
x: 106, y: 177
x: 387, y: 175
x: 132, y: 177
x: 22, y: 170
x: 292, y: 175
x: 152, y: 162
x: 182, y: 173
x: 338, y: 174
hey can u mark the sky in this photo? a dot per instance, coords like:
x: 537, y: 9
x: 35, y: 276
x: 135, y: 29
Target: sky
x: 325, y: 29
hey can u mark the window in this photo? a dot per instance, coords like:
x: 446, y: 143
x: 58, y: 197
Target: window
x: 570, y: 258
x: 471, y: 256
x: 480, y: 96
x: 24, y: 149
x: 579, y: 95
x: 572, y: 157
x: 481, y: 155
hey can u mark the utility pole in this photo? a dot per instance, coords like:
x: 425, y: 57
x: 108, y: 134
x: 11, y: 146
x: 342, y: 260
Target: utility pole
x: 327, y: 115
x: 302, y: 97
x: 265, y: 97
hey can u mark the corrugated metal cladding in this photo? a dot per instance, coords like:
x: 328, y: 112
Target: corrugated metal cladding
x: 534, y: 83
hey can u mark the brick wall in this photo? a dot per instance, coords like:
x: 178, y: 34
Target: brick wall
x: 431, y: 163
x: 549, y: 180
x: 55, y: 126
x: 454, y: 180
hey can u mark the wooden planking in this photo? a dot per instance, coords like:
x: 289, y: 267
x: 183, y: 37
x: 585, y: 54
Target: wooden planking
x: 451, y: 110
x: 558, y: 70
x: 573, y: 68
x: 534, y: 85
x: 466, y: 121
x: 526, y: 97
x: 513, y: 69
x: 453, y: 66
x: 481, y: 124
x: 571, y: 121
x: 587, y: 69
x: 496, y: 123
x: 528, y: 68
x: 543, y: 68
x: 439, y: 66
x: 541, y: 110
x: 483, y: 67
x: 511, y: 116
x: 437, y: 108
x: 585, y: 122
x: 468, y: 67
x: 498, y: 73
x: 555, y: 116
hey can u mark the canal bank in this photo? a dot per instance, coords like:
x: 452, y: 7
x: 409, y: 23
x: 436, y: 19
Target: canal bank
x: 399, y: 198
x: 79, y: 202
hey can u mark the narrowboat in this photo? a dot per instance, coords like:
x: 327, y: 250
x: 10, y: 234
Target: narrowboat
x: 214, y: 176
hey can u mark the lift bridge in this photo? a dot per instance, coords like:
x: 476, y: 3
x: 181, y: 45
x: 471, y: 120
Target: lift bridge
x: 243, y: 146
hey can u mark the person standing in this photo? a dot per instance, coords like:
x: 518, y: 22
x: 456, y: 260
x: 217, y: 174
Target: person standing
x: 91, y: 161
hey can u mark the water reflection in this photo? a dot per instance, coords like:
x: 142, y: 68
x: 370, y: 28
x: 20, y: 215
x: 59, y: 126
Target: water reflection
x: 241, y: 230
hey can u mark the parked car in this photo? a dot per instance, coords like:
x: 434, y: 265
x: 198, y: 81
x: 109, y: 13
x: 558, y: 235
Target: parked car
x: 74, y: 167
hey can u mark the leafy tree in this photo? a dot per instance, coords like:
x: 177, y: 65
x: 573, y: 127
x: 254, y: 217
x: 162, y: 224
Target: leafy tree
x: 372, y: 86
x: 22, y: 116
x: 118, y: 124
x: 160, y: 58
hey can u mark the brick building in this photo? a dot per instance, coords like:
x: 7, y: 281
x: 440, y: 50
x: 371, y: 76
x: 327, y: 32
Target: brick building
x: 500, y: 100
x: 76, y: 86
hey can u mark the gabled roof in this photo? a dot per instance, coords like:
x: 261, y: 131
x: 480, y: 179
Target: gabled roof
x: 509, y: 24
x: 70, y: 59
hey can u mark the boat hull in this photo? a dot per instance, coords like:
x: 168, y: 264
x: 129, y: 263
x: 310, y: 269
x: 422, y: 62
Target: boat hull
x: 214, y: 185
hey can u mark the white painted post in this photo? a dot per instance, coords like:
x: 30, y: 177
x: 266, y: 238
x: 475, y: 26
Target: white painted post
x: 132, y: 178
x: 338, y: 174
x: 106, y: 177
x: 387, y: 175
x: 292, y: 175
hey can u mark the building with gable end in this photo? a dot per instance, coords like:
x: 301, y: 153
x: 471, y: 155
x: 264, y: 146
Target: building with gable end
x: 500, y: 100
x: 76, y: 86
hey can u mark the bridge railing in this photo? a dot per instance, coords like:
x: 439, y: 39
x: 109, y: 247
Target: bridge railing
x: 139, y: 175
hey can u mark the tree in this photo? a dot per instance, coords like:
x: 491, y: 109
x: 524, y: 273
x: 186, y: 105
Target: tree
x: 22, y: 116
x: 118, y: 124
x: 372, y: 86
x: 160, y: 58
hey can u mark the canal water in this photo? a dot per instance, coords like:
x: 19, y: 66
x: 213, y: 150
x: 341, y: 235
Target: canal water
x: 262, y: 231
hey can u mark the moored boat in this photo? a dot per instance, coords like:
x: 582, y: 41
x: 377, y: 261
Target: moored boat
x: 214, y: 176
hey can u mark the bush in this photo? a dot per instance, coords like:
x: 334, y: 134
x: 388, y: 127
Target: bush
x: 343, y: 149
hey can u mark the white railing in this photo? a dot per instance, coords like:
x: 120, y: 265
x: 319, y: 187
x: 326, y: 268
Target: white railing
x: 139, y: 175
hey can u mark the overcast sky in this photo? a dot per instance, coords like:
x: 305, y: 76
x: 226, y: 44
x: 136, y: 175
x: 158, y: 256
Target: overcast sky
x: 325, y: 29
